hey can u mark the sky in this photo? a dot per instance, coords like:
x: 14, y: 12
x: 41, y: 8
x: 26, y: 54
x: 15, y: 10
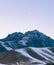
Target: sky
x: 26, y: 15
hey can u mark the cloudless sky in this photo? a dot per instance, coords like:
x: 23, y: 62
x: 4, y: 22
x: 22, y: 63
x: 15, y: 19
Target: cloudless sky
x: 24, y: 15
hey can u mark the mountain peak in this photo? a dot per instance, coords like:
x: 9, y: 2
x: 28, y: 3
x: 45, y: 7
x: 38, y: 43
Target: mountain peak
x: 29, y: 39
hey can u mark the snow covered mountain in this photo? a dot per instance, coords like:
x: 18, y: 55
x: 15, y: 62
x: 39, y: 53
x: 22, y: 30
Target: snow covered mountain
x: 33, y: 47
x: 29, y: 39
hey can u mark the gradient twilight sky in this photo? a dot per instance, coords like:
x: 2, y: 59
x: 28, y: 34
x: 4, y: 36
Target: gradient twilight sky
x: 24, y: 15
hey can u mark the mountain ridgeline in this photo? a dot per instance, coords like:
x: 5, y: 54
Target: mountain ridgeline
x: 29, y: 39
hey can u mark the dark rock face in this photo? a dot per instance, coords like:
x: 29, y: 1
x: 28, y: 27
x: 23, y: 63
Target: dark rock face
x: 2, y: 49
x: 14, y: 36
x: 39, y: 39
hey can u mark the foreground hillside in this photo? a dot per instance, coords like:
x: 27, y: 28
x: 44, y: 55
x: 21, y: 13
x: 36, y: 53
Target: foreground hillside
x: 32, y: 55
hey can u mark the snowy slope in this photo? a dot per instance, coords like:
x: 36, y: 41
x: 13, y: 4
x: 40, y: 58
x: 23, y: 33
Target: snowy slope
x: 30, y: 54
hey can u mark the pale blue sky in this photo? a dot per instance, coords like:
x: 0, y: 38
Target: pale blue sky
x: 24, y: 15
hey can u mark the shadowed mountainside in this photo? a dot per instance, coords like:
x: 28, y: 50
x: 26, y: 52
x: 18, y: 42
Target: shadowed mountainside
x: 29, y: 39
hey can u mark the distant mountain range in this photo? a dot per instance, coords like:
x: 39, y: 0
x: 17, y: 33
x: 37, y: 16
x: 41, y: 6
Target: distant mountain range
x: 32, y: 45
